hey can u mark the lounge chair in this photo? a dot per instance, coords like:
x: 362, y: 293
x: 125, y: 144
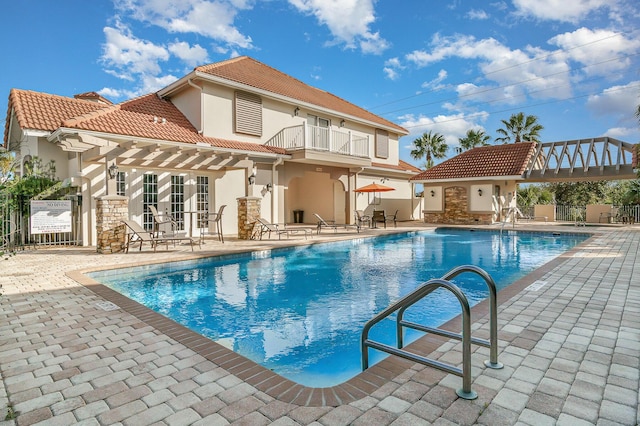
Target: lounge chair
x: 268, y: 228
x: 137, y: 233
x: 332, y: 225
x: 362, y: 218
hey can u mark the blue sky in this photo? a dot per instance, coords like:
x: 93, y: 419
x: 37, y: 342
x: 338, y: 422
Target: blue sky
x: 444, y: 66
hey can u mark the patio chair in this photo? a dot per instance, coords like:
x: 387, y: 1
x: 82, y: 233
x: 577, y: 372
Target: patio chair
x: 379, y: 216
x: 214, y: 219
x: 159, y: 220
x: 268, y: 228
x: 136, y: 233
x: 331, y: 224
x: 391, y: 218
x: 362, y: 218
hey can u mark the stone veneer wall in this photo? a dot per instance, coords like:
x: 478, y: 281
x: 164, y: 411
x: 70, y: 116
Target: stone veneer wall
x: 456, y: 210
x: 110, y: 210
x: 248, y: 214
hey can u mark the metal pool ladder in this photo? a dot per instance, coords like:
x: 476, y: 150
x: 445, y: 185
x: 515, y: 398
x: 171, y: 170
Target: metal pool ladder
x: 418, y: 294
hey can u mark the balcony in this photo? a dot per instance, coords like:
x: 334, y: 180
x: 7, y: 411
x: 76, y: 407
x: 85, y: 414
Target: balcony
x: 322, y: 145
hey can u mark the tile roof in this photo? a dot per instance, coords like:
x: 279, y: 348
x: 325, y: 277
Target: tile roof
x: 146, y: 117
x: 485, y: 161
x: 248, y: 71
x: 94, y: 96
x: 402, y: 165
x: 41, y: 111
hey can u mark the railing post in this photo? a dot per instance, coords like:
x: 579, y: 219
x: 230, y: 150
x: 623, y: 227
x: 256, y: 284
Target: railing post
x: 350, y: 143
x: 305, y: 136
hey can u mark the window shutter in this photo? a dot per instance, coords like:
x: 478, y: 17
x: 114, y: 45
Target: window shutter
x: 248, y: 113
x: 382, y: 143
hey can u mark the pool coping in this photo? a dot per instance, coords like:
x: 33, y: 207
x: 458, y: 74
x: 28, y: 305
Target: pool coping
x: 286, y: 390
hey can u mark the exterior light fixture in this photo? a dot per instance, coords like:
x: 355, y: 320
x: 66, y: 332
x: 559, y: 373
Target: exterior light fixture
x: 269, y: 187
x: 480, y: 192
x: 296, y: 112
x: 433, y: 193
x: 113, y: 171
x: 252, y: 177
x: 341, y: 123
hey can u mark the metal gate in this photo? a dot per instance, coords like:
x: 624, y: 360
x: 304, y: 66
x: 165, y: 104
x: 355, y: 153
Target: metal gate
x: 15, y: 230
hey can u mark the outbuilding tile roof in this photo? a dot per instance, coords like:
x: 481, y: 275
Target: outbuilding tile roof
x: 485, y: 161
x: 248, y: 71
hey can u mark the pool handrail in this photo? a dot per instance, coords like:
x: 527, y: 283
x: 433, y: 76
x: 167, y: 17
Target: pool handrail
x: 492, y: 343
x: 420, y: 292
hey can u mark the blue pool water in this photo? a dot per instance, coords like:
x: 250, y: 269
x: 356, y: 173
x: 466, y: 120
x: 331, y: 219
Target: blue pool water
x: 300, y: 311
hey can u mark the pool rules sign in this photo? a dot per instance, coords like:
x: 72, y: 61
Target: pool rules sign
x: 50, y: 216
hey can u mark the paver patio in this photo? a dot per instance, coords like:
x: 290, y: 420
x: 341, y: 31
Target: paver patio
x: 570, y: 346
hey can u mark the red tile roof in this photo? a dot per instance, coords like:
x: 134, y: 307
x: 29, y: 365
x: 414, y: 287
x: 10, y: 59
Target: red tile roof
x: 93, y: 96
x: 403, y: 165
x: 248, y: 71
x: 485, y: 161
x: 146, y: 117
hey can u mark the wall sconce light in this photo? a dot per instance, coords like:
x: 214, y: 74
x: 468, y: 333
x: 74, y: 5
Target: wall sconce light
x: 341, y: 123
x: 296, y: 112
x: 480, y: 192
x: 384, y: 179
x: 433, y: 193
x: 269, y: 187
x: 113, y: 171
x: 252, y: 178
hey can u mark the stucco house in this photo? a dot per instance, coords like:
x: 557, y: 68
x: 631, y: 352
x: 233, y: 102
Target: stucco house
x: 227, y: 130
x: 476, y: 186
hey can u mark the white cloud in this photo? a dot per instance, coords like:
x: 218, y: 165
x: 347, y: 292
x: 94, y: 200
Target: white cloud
x: 561, y: 10
x: 477, y: 14
x: 191, y: 55
x: 622, y: 133
x: 435, y: 84
x: 592, y: 48
x: 532, y: 70
x: 391, y: 73
x: 620, y: 100
x: 131, y: 55
x: 348, y: 21
x: 392, y: 67
x: 214, y: 19
x: 452, y: 127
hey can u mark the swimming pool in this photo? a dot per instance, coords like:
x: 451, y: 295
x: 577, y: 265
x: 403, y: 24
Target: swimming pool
x: 299, y: 311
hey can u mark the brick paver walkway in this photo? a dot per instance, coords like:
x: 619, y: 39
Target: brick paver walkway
x: 570, y: 346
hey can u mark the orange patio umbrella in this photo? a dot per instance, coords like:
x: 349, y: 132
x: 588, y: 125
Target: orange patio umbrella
x: 374, y: 187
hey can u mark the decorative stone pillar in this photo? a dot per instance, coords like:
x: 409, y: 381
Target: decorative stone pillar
x: 248, y: 214
x: 110, y: 210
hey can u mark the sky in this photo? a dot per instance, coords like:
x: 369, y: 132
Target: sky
x: 443, y: 66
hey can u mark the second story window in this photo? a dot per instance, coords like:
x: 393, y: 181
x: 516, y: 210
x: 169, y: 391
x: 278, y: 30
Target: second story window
x: 248, y: 113
x: 382, y: 143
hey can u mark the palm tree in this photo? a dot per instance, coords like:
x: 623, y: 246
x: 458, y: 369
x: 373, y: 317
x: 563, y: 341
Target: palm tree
x: 429, y: 145
x: 520, y: 128
x: 474, y: 138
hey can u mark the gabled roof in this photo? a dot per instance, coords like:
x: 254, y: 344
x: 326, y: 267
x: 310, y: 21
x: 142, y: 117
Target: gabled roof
x: 146, y: 117
x: 252, y: 73
x: 484, y: 161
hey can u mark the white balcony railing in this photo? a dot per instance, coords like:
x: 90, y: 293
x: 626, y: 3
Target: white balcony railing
x: 320, y: 139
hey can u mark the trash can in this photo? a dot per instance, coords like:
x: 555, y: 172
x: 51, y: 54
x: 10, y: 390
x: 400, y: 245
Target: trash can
x: 298, y: 216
